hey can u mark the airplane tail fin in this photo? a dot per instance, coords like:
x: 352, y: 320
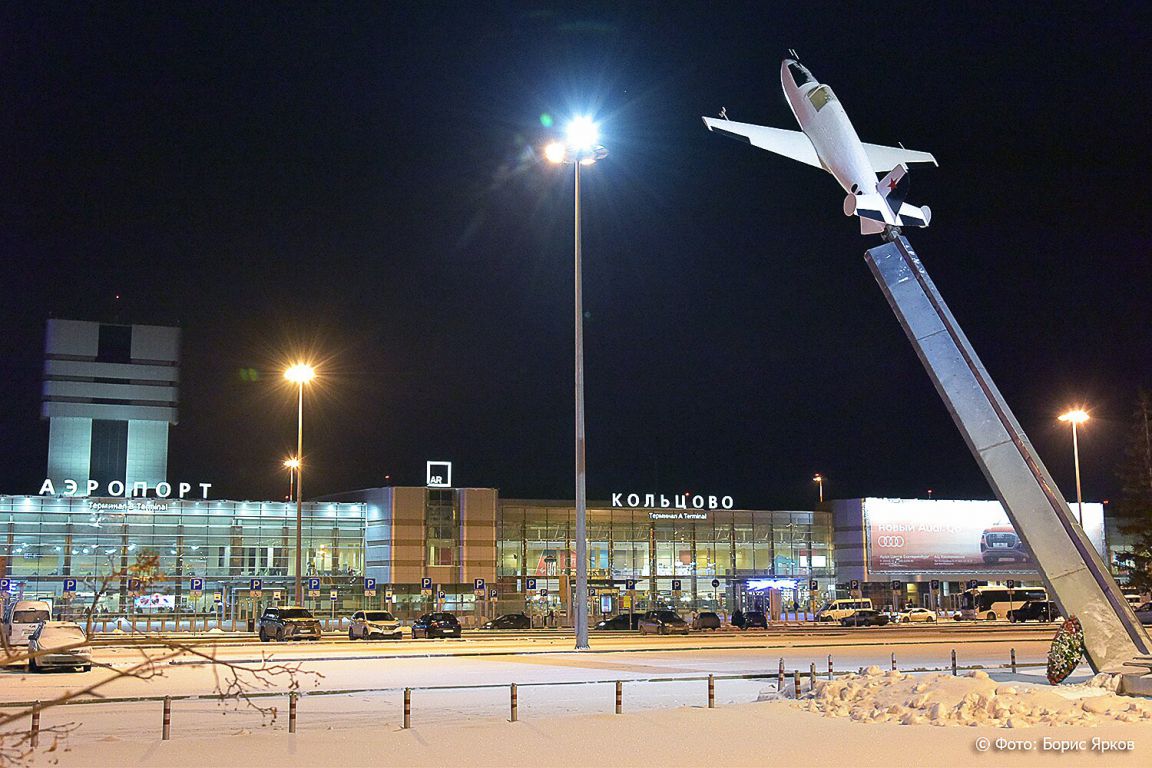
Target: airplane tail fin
x: 894, y: 189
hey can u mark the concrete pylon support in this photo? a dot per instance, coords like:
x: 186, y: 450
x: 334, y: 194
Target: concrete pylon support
x: 1073, y: 571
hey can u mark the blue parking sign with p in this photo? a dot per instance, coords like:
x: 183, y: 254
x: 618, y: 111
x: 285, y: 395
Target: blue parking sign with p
x: 426, y: 582
x: 5, y: 585
x: 369, y: 584
x: 478, y: 584
x: 630, y: 584
x: 69, y: 585
x: 256, y: 585
x: 197, y: 585
x: 530, y: 584
x: 313, y: 583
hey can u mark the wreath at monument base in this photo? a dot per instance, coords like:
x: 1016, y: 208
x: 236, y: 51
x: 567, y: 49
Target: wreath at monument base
x: 1067, y: 650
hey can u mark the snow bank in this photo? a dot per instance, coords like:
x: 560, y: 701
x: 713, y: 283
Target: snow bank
x: 876, y: 696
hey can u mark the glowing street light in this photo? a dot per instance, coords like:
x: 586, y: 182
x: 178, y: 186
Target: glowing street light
x: 580, y: 149
x: 819, y: 480
x: 1075, y: 417
x: 300, y: 374
x: 291, y: 465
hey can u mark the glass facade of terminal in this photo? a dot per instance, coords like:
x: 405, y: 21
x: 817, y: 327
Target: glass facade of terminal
x: 659, y: 550
x: 47, y: 539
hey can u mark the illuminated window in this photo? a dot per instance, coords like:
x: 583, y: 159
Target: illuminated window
x: 821, y: 96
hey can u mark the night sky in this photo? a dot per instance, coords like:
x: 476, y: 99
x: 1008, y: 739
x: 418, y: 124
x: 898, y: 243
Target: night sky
x: 362, y: 184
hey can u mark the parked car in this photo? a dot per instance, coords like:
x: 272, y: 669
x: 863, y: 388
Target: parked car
x: 916, y: 615
x: 510, y: 621
x: 663, y: 622
x: 749, y: 620
x: 288, y: 622
x: 23, y: 619
x: 864, y: 618
x: 1144, y: 613
x: 59, y: 644
x: 622, y: 621
x: 368, y: 625
x: 834, y: 610
x: 438, y: 624
x: 706, y: 620
x: 1034, y: 610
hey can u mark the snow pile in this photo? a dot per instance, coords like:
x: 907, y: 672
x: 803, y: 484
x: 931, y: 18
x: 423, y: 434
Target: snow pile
x: 876, y: 696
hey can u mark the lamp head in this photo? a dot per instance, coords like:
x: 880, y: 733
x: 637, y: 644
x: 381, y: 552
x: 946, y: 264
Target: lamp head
x: 1076, y: 416
x: 300, y: 373
x: 583, y: 134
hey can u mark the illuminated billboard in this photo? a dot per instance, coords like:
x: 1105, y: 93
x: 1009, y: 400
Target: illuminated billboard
x: 945, y: 536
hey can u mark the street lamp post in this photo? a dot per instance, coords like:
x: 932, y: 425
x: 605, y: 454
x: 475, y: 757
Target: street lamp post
x: 581, y: 149
x: 300, y: 374
x: 291, y: 465
x: 1075, y: 417
x: 819, y: 480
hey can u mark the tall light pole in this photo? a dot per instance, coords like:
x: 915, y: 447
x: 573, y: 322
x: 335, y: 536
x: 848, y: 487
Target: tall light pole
x: 1075, y: 417
x: 291, y: 465
x: 580, y: 149
x: 819, y: 480
x: 300, y: 374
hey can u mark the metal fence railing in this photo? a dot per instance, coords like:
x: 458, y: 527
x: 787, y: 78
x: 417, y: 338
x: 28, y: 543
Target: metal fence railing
x: 788, y: 682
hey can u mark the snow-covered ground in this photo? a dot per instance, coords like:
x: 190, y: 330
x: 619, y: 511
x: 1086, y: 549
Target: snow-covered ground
x: 566, y: 716
x: 660, y: 726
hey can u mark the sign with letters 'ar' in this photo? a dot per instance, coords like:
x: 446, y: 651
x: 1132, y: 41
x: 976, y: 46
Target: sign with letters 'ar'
x: 439, y: 474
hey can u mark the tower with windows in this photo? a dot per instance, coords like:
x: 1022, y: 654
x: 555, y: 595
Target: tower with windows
x: 110, y: 394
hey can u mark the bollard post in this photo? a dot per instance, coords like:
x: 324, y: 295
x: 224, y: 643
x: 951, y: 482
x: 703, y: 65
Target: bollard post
x: 166, y: 733
x: 407, y: 707
x: 812, y: 676
x: 292, y: 711
x: 711, y: 692
x: 830, y: 673
x: 619, y: 696
x: 780, y: 677
x: 953, y: 662
x: 1013, y: 660
x: 893, y: 661
x: 34, y: 736
x: 796, y: 681
x: 513, y: 718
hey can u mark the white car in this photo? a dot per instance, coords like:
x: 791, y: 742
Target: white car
x: 367, y: 625
x: 59, y: 644
x: 913, y: 615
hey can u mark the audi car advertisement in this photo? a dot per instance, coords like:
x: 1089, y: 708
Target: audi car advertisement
x: 941, y: 536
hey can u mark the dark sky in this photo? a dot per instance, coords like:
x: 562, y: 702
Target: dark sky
x: 361, y: 182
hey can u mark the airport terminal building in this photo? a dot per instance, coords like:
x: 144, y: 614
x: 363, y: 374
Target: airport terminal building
x: 522, y: 550
x: 107, y: 504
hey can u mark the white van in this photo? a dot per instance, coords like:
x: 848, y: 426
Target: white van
x: 22, y: 621
x: 834, y: 610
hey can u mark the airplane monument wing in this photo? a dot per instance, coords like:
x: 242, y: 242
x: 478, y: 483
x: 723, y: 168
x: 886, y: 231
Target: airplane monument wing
x: 884, y: 159
x: 792, y: 144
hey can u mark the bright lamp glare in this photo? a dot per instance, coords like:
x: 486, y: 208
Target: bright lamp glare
x: 583, y: 133
x: 555, y: 152
x: 1076, y: 417
x: 300, y: 373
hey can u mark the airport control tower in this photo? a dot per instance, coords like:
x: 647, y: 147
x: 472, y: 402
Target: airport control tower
x: 110, y: 392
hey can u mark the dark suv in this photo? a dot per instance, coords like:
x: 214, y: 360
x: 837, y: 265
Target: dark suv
x: 436, y: 625
x: 510, y: 621
x: 706, y: 620
x: 288, y: 622
x: 621, y: 621
x: 1035, y: 610
x: 749, y: 620
x: 663, y: 622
